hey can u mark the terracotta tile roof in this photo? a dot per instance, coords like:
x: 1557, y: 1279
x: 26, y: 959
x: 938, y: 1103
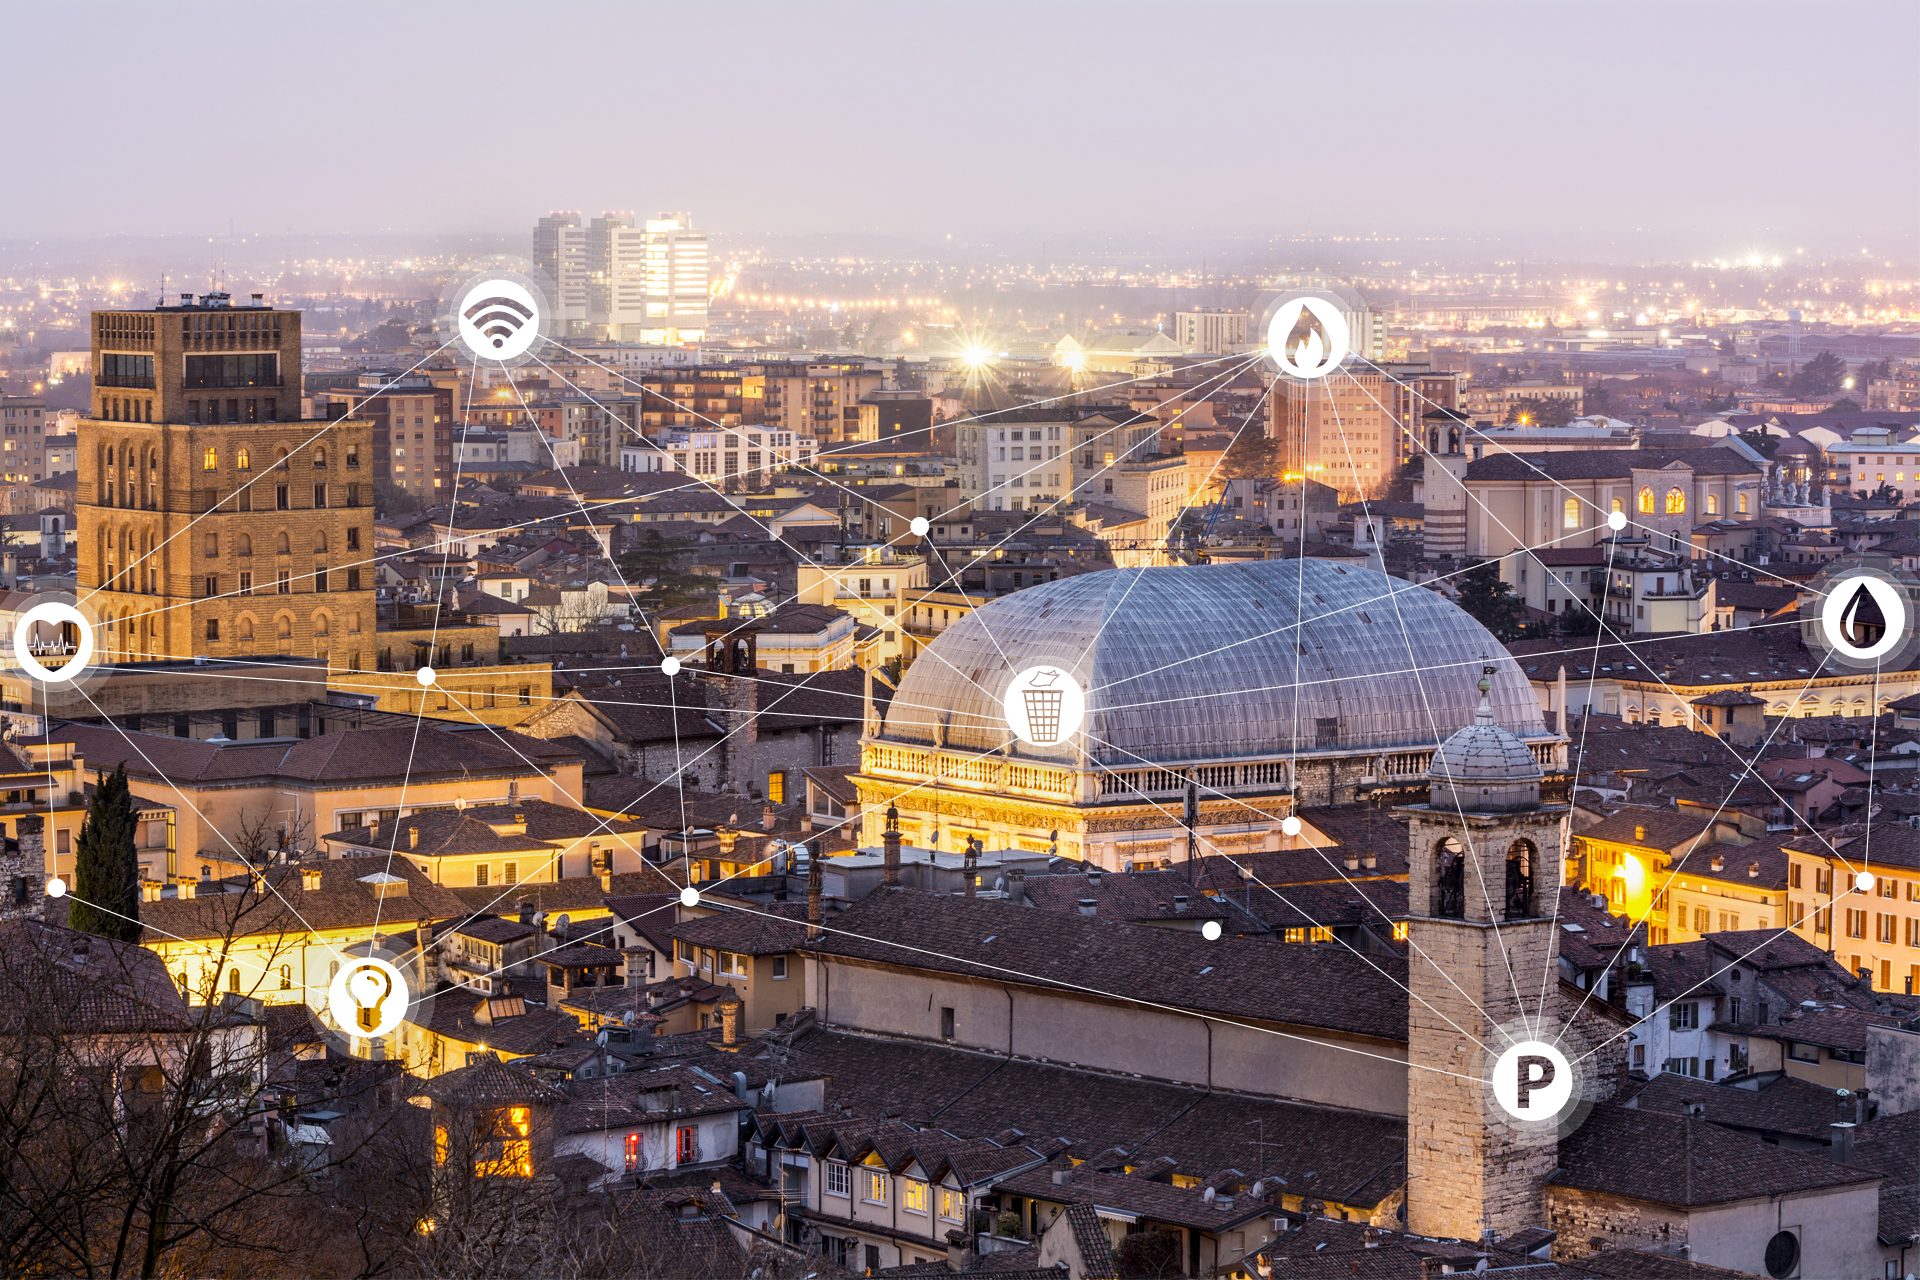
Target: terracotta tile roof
x: 346, y: 899
x: 1780, y: 1106
x: 58, y: 980
x: 747, y: 932
x: 1157, y: 1201
x: 636, y: 1097
x: 1664, y: 829
x: 1249, y: 979
x: 489, y: 1082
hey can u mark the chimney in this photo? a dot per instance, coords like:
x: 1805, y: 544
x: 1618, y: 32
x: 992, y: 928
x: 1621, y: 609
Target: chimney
x: 1061, y: 1177
x: 1370, y: 861
x: 183, y: 887
x: 970, y: 869
x: 1017, y: 887
x: 1842, y: 1133
x: 890, y: 850
x: 1639, y: 834
x: 310, y: 878
x: 413, y: 837
x: 1753, y: 871
x: 150, y: 890
x: 1089, y: 906
x: 814, y: 892
x: 1719, y: 863
x: 1093, y: 876
x: 606, y: 876
x: 1180, y: 902
x: 1353, y: 862
x: 729, y: 1010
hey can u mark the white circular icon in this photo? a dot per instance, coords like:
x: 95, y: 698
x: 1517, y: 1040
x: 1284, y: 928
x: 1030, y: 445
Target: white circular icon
x: 1533, y: 1081
x: 1863, y: 617
x: 1044, y: 706
x: 1308, y: 337
x: 53, y: 628
x: 499, y: 319
x: 367, y: 998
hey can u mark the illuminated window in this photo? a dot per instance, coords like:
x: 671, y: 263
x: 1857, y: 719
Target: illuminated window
x: 876, y: 1187
x: 210, y: 460
x: 1646, y: 502
x: 440, y: 1144
x: 1713, y: 504
x: 513, y: 1128
x: 1400, y: 931
x: 243, y: 460
x: 950, y: 1204
x: 776, y: 788
x: 1570, y: 514
x: 1676, y: 502
x: 913, y: 1196
x: 1616, y: 505
x: 633, y: 1152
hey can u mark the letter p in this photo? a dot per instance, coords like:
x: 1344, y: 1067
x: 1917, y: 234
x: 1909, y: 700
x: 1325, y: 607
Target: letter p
x: 1532, y: 1071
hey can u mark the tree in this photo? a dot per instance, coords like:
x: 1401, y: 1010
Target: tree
x: 1599, y: 399
x: 1253, y: 454
x: 652, y: 564
x: 1490, y: 600
x: 106, y: 870
x: 1819, y: 376
x: 1409, y: 474
x: 1148, y: 1255
x: 1844, y: 405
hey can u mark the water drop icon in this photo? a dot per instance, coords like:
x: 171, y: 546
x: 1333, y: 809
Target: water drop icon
x: 1861, y: 621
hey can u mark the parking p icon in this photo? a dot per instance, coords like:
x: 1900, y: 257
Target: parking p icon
x: 1533, y: 1081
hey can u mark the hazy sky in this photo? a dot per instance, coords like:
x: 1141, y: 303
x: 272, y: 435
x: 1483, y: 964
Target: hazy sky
x: 1689, y: 126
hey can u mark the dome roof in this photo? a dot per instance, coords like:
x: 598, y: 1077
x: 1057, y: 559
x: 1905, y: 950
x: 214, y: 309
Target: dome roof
x: 1217, y: 662
x: 1483, y: 752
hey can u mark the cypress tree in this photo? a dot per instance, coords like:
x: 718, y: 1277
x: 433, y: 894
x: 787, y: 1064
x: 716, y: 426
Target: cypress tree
x: 106, y: 870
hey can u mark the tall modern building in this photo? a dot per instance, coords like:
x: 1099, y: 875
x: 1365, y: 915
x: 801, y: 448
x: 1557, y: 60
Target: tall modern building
x: 560, y: 253
x: 630, y: 283
x: 210, y: 515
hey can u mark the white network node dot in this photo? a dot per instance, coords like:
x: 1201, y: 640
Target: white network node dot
x: 1210, y: 930
x: 1290, y: 825
x: 670, y: 666
x: 689, y: 897
x: 56, y: 888
x: 919, y: 525
x: 1616, y: 520
x: 1864, y: 882
x: 425, y: 676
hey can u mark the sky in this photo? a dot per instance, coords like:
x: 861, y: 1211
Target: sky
x: 1689, y: 127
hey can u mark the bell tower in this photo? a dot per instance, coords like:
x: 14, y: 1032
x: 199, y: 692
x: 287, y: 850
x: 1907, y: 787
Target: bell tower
x: 1485, y: 861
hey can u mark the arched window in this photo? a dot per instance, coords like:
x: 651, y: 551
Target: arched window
x: 243, y: 459
x: 1521, y: 857
x: 283, y: 626
x: 319, y: 456
x: 210, y: 460
x: 1713, y: 504
x: 281, y: 545
x: 320, y: 623
x: 1646, y: 502
x: 243, y: 545
x: 320, y: 542
x: 1740, y: 503
x: 1676, y: 501
x: 1449, y: 879
x: 1570, y: 514
x: 1616, y: 505
x: 244, y: 626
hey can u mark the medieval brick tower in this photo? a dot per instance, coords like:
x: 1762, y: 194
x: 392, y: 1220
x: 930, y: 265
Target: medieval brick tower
x: 213, y: 519
x: 1485, y: 857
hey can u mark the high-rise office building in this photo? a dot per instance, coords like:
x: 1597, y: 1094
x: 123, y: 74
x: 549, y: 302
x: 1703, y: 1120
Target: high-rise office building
x: 676, y: 279
x: 211, y: 517
x: 1356, y: 428
x: 627, y: 282
x: 1212, y: 331
x: 560, y: 253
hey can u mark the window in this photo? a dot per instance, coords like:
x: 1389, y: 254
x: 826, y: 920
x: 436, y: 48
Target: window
x: 632, y: 1152
x: 286, y: 977
x: 1683, y: 1016
x: 913, y: 1195
x: 950, y: 1204
x: 1570, y: 514
x: 1646, y: 502
x: 280, y: 499
x: 946, y: 1022
x: 1856, y: 923
x: 776, y: 788
x: 876, y: 1186
x: 1676, y: 502
x: 837, y: 1182
x: 780, y: 965
x: 1713, y: 504
x: 509, y: 873
x: 686, y: 1144
x: 242, y: 460
x: 213, y: 628
x: 213, y: 544
x: 320, y: 494
x: 480, y: 875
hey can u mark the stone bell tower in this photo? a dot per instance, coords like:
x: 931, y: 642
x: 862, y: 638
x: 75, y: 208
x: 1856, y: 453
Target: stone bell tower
x: 1485, y: 861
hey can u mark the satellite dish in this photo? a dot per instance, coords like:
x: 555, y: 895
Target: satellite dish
x: 601, y: 1039
x: 560, y: 925
x: 628, y: 1018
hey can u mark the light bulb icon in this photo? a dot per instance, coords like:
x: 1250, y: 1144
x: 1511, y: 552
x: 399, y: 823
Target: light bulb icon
x: 369, y: 987
x: 368, y: 998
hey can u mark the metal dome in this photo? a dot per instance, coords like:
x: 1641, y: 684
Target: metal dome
x: 1182, y: 664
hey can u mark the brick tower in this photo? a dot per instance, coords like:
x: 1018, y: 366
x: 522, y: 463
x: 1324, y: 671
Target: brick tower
x: 1484, y: 858
x: 212, y: 518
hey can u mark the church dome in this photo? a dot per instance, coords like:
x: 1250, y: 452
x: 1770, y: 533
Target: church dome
x: 1485, y: 766
x: 1263, y: 658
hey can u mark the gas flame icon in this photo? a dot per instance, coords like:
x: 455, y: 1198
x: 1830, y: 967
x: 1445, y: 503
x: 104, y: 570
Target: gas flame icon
x: 1307, y: 336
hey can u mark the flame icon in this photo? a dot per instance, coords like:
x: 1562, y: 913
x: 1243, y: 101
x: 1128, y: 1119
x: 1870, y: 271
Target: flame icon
x: 1308, y: 342
x: 1861, y: 622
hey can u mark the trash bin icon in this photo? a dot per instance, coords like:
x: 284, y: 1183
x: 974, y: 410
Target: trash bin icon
x: 1042, y: 697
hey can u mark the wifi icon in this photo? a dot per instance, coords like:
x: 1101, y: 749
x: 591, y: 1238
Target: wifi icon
x: 498, y: 319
